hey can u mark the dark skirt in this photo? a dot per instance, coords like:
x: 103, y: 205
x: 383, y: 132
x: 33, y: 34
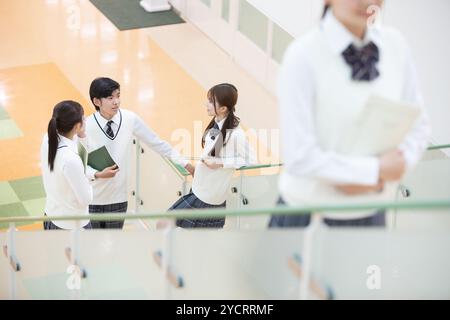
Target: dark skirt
x: 190, y: 201
x: 48, y: 225
x: 378, y: 219
x: 118, y: 208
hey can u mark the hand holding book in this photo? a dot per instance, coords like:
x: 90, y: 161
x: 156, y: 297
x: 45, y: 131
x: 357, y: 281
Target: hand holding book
x: 108, y: 172
x: 392, y: 165
x: 102, y: 161
x: 381, y: 127
x: 392, y: 168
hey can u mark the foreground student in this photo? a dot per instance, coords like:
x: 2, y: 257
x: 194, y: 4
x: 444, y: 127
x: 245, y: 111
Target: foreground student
x: 325, y: 80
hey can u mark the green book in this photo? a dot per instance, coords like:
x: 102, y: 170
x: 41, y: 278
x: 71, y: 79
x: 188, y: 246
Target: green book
x: 82, y: 152
x: 100, y: 159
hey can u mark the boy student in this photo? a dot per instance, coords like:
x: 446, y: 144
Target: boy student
x: 113, y: 127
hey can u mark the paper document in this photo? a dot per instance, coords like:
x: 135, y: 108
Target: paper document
x: 382, y: 125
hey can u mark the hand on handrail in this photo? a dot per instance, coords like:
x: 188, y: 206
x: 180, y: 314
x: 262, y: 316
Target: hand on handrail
x: 189, y: 167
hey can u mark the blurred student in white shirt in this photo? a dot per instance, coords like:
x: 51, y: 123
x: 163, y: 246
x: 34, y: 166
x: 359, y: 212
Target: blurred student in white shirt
x: 325, y: 80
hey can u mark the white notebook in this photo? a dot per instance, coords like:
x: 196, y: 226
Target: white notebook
x: 382, y: 125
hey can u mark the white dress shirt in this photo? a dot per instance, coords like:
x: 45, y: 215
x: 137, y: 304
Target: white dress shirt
x: 319, y: 102
x: 126, y: 125
x: 68, y: 192
x: 212, y: 185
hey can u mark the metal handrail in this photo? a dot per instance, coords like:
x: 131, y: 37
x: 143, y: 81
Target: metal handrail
x: 185, y: 173
x: 443, y: 204
x: 439, y: 146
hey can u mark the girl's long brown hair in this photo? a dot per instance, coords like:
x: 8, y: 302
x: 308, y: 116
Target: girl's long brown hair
x: 222, y: 95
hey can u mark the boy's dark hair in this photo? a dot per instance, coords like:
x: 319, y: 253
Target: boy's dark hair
x: 102, y: 88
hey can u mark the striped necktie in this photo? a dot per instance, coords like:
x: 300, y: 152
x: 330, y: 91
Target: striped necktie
x: 363, y: 61
x: 109, y: 130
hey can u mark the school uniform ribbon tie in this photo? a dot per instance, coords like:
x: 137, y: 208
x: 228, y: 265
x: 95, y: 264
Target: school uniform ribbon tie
x: 362, y: 61
x: 215, y: 131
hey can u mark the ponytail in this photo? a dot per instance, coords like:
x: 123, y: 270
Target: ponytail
x: 52, y: 142
x: 66, y: 115
x: 231, y: 122
x: 223, y: 94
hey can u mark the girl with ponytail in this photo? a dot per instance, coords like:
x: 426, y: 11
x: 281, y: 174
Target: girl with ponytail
x: 66, y: 186
x: 225, y: 149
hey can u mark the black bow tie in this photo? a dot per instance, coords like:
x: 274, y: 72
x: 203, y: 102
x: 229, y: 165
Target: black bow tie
x: 363, y: 61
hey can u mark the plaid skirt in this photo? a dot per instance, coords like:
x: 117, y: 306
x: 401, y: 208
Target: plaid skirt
x: 378, y: 219
x: 118, y: 208
x: 190, y: 201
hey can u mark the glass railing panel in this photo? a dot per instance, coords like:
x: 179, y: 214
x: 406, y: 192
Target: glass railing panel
x: 133, y: 176
x: 257, y: 186
x: 117, y: 265
x: 43, y: 265
x: 236, y: 265
x: 5, y: 270
x: 240, y: 264
x: 378, y: 264
x: 120, y: 265
x: 160, y: 184
x: 252, y: 191
x: 429, y: 180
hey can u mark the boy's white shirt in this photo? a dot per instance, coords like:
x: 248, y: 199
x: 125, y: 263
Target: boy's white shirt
x: 114, y: 190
